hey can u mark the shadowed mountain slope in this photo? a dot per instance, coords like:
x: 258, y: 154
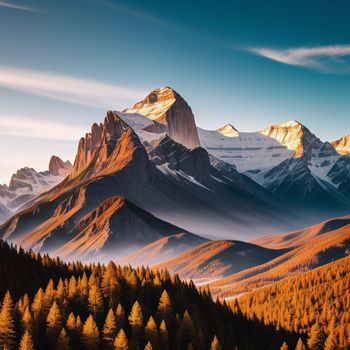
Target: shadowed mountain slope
x: 316, y: 252
x: 216, y: 259
x: 163, y: 249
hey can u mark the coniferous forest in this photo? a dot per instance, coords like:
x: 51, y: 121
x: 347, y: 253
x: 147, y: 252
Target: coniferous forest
x: 48, y: 304
x: 315, y: 304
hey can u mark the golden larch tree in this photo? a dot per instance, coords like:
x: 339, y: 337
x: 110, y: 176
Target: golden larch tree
x: 121, y: 342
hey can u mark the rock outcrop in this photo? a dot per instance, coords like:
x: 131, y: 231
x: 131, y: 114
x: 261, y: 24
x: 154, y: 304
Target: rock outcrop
x: 108, y: 147
x: 58, y: 167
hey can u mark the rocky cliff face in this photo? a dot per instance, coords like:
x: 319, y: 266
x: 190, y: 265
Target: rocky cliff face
x: 342, y: 145
x: 166, y: 107
x: 58, y: 167
x: 5, y: 213
x: 108, y: 147
x: 340, y: 175
x: 193, y: 162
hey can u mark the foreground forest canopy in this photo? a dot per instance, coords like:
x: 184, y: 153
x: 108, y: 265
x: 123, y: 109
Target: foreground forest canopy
x: 113, y: 307
x: 315, y: 303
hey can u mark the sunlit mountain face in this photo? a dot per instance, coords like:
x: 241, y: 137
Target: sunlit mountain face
x: 174, y: 176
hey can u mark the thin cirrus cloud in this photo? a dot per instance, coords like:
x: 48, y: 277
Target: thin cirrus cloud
x: 17, y: 7
x: 12, y: 125
x: 331, y: 58
x: 67, y: 88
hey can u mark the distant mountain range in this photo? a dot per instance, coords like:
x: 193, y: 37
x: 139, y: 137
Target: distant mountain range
x: 150, y: 187
x: 27, y: 183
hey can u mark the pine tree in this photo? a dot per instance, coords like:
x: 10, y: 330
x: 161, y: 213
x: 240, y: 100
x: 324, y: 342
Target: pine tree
x: 38, y: 304
x: 136, y: 321
x: 61, y: 290
x: 215, y: 345
x: 79, y: 325
x: 300, y: 345
x: 71, y: 322
x: 120, y: 317
x: 164, y: 310
x: 90, y: 334
x: 110, y: 285
x: 27, y: 320
x: 84, y: 288
x: 284, y: 346
x: 148, y: 346
x: 121, y: 342
x: 23, y: 303
x: 187, y: 330
x: 316, y: 338
x: 72, y: 288
x: 26, y: 342
x: 109, y: 329
x: 164, y: 340
x: 7, y: 331
x: 95, y: 301
x: 151, y: 333
x: 63, y: 341
x: 49, y: 295
x: 54, y: 323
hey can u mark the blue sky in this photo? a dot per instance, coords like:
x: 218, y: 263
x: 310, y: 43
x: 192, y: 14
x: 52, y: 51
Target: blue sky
x: 251, y: 63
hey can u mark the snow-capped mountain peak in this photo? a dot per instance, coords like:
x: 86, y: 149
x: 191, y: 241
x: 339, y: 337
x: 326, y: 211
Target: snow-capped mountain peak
x: 299, y: 139
x: 169, y: 112
x: 228, y: 130
x: 342, y: 145
x: 155, y: 105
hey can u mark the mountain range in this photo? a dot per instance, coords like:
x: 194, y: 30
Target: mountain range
x: 27, y: 183
x: 224, y: 207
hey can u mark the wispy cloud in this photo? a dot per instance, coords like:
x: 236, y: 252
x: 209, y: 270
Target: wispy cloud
x: 18, y: 7
x: 143, y: 15
x: 324, y: 58
x: 67, y: 88
x: 12, y: 125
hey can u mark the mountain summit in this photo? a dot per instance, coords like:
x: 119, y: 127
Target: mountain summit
x: 342, y: 145
x: 298, y: 138
x: 58, y: 167
x: 168, y: 109
x: 228, y: 130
